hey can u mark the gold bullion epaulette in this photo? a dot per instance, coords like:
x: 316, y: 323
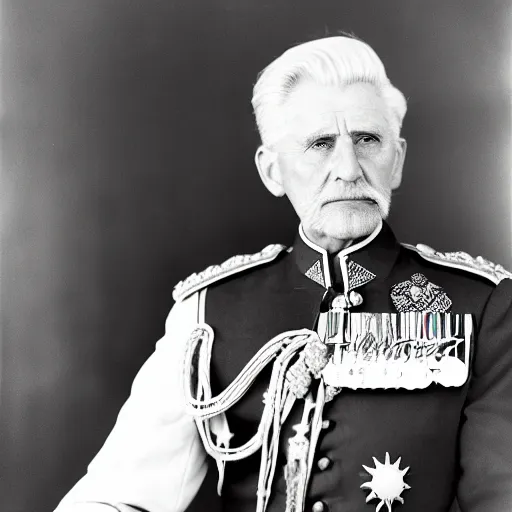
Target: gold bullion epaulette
x: 462, y: 260
x: 235, y: 264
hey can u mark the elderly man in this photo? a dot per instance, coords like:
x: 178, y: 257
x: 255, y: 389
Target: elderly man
x: 345, y: 373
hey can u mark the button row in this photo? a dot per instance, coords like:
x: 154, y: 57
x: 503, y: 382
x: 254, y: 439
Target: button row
x: 322, y: 464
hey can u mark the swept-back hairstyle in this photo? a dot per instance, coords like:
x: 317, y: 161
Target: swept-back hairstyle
x: 332, y: 61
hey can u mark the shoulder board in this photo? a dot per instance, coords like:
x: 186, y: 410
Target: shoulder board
x: 235, y: 264
x: 462, y: 260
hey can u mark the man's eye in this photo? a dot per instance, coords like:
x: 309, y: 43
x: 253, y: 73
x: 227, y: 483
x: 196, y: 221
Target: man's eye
x: 365, y: 138
x: 324, y: 143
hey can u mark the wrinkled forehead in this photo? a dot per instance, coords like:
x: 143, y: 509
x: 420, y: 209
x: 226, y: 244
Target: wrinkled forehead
x: 312, y: 108
x: 350, y: 119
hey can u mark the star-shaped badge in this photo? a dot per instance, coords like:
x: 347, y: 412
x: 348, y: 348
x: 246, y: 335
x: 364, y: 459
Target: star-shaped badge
x: 387, y: 483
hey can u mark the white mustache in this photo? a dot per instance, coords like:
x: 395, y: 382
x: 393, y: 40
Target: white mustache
x: 366, y: 192
x: 363, y: 191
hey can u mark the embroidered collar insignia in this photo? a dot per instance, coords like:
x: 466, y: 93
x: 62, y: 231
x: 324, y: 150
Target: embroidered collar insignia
x: 358, y: 275
x: 419, y: 294
x: 316, y: 274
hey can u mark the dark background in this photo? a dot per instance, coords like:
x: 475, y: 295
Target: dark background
x: 128, y: 144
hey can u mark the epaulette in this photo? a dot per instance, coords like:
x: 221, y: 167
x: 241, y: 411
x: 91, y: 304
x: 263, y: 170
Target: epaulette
x: 462, y: 260
x: 235, y: 264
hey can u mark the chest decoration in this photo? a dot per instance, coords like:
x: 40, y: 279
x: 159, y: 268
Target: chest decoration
x: 387, y: 483
x: 421, y: 344
x: 419, y: 294
x: 296, y: 359
x: 316, y: 273
x: 397, y: 350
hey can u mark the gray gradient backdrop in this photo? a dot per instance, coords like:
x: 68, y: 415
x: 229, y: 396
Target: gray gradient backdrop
x: 128, y: 144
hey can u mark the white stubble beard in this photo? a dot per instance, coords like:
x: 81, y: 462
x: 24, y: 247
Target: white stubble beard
x: 351, y: 224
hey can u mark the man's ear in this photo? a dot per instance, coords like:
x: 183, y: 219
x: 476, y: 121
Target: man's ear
x: 269, y: 171
x: 396, y: 175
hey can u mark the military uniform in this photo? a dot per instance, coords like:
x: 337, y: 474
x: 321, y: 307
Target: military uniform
x: 398, y: 441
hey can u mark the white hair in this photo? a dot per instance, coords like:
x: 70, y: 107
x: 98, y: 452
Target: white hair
x: 332, y: 61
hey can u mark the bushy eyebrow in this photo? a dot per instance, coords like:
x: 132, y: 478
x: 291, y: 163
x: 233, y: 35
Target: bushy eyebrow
x: 320, y: 134
x: 323, y: 134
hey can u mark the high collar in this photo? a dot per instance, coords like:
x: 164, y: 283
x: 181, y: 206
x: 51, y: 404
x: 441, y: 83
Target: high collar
x: 364, y: 260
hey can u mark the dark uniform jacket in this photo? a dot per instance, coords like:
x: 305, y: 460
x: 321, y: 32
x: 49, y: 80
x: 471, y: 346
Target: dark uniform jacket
x: 413, y: 432
x: 456, y: 441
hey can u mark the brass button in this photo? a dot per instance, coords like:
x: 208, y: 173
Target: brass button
x: 319, y: 507
x: 355, y: 298
x: 326, y: 424
x: 323, y: 463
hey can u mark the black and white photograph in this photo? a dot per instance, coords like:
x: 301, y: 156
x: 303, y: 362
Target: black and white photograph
x: 256, y: 256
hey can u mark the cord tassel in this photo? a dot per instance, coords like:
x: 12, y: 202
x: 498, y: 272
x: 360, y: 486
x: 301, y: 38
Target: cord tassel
x: 296, y: 470
x: 297, y: 357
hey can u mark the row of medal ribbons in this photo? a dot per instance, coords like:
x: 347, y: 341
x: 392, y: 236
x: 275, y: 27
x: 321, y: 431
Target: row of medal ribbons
x: 397, y: 350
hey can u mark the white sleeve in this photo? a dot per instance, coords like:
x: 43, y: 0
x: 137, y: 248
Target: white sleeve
x: 153, y: 459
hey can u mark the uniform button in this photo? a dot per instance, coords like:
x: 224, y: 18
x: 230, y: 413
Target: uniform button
x: 326, y: 424
x: 323, y: 463
x: 319, y: 507
x: 355, y: 298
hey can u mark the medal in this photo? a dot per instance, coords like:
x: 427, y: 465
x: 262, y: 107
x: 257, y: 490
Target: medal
x: 419, y: 294
x: 387, y: 483
x: 397, y: 350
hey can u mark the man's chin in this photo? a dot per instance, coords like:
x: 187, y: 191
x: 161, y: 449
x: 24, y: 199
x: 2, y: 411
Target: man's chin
x: 352, y: 222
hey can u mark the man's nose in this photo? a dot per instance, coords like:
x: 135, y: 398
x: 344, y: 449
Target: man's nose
x: 344, y: 163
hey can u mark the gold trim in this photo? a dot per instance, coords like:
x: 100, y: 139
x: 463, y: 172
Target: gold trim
x: 462, y: 260
x: 235, y: 264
